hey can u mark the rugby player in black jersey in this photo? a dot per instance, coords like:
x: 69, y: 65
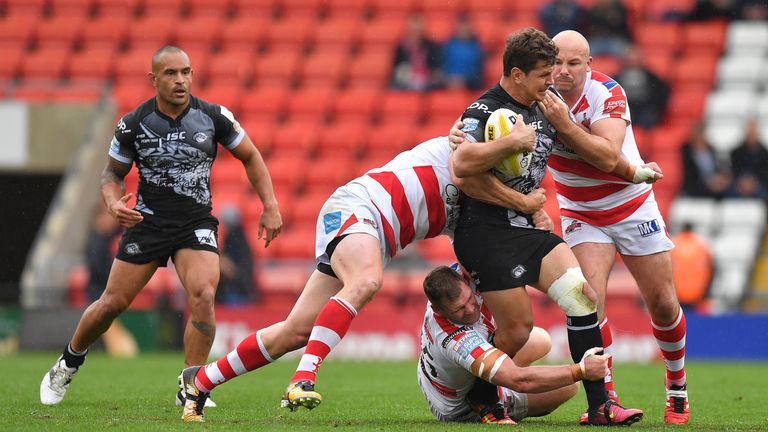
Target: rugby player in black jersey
x: 172, y: 138
x: 500, y: 247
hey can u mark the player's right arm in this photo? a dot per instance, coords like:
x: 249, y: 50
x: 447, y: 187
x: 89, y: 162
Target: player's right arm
x: 496, y: 367
x: 120, y: 160
x: 487, y: 188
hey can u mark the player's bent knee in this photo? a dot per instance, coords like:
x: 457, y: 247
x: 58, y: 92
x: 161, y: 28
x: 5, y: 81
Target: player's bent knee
x: 202, y: 299
x: 567, y: 292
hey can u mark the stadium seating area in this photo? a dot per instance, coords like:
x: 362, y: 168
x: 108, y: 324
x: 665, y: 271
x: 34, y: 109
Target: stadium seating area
x: 308, y: 79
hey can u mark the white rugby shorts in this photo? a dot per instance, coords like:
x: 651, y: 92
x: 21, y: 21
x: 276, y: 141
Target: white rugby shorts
x: 643, y: 233
x: 348, y: 212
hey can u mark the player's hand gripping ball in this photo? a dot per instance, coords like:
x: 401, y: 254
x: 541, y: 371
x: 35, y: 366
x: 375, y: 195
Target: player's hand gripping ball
x: 500, y: 124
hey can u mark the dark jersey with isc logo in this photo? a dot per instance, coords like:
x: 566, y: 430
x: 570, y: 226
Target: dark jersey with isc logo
x: 474, y: 119
x: 174, y: 157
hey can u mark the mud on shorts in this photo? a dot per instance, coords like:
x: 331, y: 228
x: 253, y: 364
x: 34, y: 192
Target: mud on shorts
x: 500, y: 257
x: 147, y: 242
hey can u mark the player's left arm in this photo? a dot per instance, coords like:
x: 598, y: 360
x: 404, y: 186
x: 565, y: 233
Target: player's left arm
x: 487, y: 188
x: 270, y: 222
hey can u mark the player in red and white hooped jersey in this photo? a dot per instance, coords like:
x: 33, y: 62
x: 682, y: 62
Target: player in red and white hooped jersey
x: 360, y: 228
x: 602, y: 215
x: 457, y: 357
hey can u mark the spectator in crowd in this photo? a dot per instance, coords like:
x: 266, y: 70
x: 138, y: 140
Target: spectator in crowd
x: 417, y: 59
x: 647, y: 93
x: 703, y: 174
x: 98, y: 256
x: 705, y: 10
x: 754, y: 10
x: 691, y: 267
x: 608, y: 28
x: 749, y: 165
x: 463, y: 58
x: 237, y: 284
x: 561, y: 15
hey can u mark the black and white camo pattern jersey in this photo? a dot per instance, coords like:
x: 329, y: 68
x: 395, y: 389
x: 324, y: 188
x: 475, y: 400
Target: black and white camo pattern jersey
x: 174, y: 156
x: 475, y: 118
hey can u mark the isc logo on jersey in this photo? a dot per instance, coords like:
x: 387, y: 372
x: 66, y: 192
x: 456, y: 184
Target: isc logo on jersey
x: 500, y: 124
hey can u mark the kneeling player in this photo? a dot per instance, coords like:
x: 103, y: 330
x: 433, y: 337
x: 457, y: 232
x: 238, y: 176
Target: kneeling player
x: 456, y: 351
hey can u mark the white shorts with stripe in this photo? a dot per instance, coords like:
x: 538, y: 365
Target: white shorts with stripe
x: 642, y: 233
x: 446, y: 408
x: 348, y: 211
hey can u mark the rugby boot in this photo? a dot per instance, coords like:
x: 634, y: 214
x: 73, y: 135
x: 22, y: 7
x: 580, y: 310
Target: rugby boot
x: 300, y: 394
x: 56, y: 382
x: 677, y: 411
x: 194, y: 399
x: 584, y: 419
x: 495, y: 414
x: 612, y: 414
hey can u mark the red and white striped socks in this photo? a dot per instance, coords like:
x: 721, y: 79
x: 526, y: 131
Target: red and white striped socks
x: 330, y: 327
x: 249, y: 354
x: 671, y: 340
x: 605, y: 333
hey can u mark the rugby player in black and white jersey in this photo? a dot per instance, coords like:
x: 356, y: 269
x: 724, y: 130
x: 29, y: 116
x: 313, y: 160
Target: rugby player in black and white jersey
x: 500, y: 247
x: 172, y: 138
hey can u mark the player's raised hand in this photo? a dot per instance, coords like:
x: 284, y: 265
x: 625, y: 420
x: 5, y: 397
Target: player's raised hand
x: 270, y: 225
x: 594, y: 364
x: 534, y: 201
x: 522, y: 137
x: 456, y: 136
x: 125, y: 215
x: 555, y: 110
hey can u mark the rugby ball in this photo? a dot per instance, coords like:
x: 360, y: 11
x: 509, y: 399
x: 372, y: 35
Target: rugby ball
x: 500, y: 124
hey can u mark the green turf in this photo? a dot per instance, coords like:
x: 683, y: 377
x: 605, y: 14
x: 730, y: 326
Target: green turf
x: 116, y: 395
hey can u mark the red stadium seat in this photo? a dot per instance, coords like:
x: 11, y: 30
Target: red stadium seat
x: 696, y: 71
x: 133, y: 66
x: 80, y: 8
x: 527, y: 9
x: 243, y: 34
x: 310, y: 102
x: 288, y: 34
x: 121, y: 9
x: 440, y: 27
x: 277, y: 69
x: 34, y: 91
x: 24, y: 8
x: 310, y: 8
x: 162, y: 8
x: 371, y: 70
x: 296, y: 243
x: 355, y: 10
x: 44, y: 64
x: 342, y: 32
x: 438, y: 250
x: 97, y: 64
x: 686, y: 105
x: 489, y: 31
x: 232, y: 67
x: 667, y: 139
x: 448, y: 103
x: 343, y: 139
x: 207, y: 8
x: 323, y: 70
x: 129, y: 95
x: 295, y: 137
x: 435, y: 127
x: 106, y: 31
x: 17, y: 32
x: 151, y: 32
x: 658, y: 36
x: 382, y: 34
x: 407, y: 107
x: 659, y: 63
x: 282, y: 280
x: 607, y: 65
x: 200, y: 31
x: 705, y: 38
x: 287, y: 172
x: 59, y: 32
x: 308, y: 207
x: 657, y: 9
x: 255, y: 8
x: 77, y: 92
x: 264, y: 102
x: 357, y: 104
x: 396, y: 9
x: 11, y: 63
x: 390, y: 137
x: 223, y: 93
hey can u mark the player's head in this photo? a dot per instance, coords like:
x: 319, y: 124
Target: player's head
x: 573, y: 62
x: 450, y: 296
x: 171, y: 75
x: 529, y: 56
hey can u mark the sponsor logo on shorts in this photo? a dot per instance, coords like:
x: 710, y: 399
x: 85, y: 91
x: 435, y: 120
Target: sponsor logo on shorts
x: 649, y: 228
x: 518, y: 271
x: 370, y: 222
x: 206, y: 237
x: 332, y: 221
x: 573, y: 226
x: 470, y: 124
x: 200, y: 137
x: 132, y: 249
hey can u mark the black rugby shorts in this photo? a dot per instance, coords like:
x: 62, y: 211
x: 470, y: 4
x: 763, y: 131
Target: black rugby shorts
x: 147, y: 242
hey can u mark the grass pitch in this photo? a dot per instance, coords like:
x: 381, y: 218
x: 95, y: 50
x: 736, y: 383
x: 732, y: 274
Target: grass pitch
x: 137, y: 395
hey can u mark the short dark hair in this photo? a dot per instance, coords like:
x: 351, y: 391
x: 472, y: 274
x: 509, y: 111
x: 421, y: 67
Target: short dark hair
x: 442, y: 284
x: 527, y: 47
x: 166, y: 49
